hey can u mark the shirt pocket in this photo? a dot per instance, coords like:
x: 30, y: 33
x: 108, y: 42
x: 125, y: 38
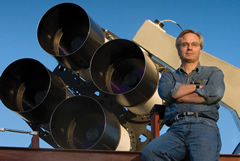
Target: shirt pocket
x: 201, y: 81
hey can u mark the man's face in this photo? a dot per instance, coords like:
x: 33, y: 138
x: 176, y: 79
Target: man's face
x: 189, y: 49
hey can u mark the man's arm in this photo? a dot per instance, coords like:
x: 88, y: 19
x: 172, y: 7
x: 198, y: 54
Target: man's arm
x: 191, y: 98
x: 185, y: 89
x: 214, y: 89
x: 186, y: 93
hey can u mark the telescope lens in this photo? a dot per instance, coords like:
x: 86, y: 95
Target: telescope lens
x: 86, y: 131
x: 69, y: 40
x: 125, y: 79
x: 31, y: 94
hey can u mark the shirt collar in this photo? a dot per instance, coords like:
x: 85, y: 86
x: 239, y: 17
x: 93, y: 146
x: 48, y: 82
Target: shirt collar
x: 197, y: 69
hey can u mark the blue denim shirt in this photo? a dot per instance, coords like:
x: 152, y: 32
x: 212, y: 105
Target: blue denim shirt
x: 211, y: 77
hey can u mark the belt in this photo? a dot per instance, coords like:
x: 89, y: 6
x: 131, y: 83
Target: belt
x: 195, y: 114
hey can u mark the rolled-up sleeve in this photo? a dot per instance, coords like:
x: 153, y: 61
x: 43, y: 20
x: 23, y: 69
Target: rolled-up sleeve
x: 168, y: 87
x: 214, y: 90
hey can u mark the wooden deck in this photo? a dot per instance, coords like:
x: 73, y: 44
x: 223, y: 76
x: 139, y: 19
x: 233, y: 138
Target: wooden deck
x: 40, y: 154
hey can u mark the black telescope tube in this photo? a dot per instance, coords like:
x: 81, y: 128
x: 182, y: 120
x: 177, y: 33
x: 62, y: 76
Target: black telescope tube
x: 28, y: 88
x: 67, y: 32
x: 121, y: 68
x: 80, y: 122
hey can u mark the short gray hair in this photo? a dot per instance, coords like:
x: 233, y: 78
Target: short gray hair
x: 178, y: 40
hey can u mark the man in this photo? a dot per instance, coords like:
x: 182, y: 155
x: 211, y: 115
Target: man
x: 192, y: 94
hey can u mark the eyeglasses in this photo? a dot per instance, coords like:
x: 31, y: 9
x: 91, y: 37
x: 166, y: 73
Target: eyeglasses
x: 193, y: 44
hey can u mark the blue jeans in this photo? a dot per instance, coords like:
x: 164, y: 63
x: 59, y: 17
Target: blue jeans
x: 196, y: 138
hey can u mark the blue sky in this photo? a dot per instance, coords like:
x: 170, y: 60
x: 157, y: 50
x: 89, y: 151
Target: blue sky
x: 217, y: 20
